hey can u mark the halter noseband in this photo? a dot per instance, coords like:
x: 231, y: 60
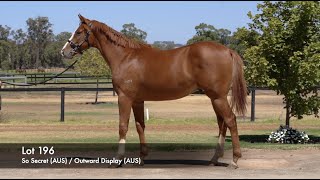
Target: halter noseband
x: 76, y: 47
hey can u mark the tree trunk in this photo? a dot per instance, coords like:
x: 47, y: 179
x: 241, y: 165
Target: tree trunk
x: 37, y: 57
x: 96, y: 100
x: 287, y: 114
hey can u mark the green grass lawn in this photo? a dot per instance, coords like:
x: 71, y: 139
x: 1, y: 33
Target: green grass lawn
x: 197, y: 133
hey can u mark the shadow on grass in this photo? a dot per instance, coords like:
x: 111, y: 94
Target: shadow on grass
x: 254, y: 138
x: 250, y: 138
x: 101, y: 103
x: 314, y: 139
x: 263, y: 139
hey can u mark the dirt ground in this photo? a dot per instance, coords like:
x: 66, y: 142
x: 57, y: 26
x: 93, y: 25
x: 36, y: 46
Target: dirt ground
x: 255, y: 164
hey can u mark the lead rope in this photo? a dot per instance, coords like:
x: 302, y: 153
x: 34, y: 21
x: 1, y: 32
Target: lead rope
x: 42, y: 82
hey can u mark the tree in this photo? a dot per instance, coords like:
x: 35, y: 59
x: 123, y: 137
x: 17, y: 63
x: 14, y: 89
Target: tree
x: 63, y: 36
x: 40, y: 35
x: 4, y: 32
x: 164, y: 45
x: 243, y: 39
x: 93, y: 64
x: 36, y: 47
x: 132, y: 32
x: 21, y: 49
x: 5, y: 47
x: 52, y: 51
x: 288, y: 53
x: 224, y: 36
x: 206, y: 32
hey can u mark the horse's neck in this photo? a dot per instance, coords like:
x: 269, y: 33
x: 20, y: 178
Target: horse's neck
x: 113, y: 54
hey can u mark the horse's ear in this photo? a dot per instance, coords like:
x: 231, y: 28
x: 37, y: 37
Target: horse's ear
x: 83, y: 19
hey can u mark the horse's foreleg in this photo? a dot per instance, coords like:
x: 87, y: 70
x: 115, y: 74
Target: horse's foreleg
x: 138, y: 110
x: 125, y: 105
x: 222, y: 107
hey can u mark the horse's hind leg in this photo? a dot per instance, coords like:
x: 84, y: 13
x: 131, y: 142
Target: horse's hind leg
x: 138, y: 110
x: 222, y: 135
x: 222, y: 108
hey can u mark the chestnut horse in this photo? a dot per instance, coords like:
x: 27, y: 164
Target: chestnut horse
x: 142, y: 73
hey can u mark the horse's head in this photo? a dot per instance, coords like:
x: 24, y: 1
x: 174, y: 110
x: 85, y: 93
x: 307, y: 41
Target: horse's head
x: 82, y: 39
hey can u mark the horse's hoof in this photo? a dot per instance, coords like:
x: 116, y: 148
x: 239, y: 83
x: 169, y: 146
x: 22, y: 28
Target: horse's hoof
x: 217, y: 163
x: 233, y: 165
x: 213, y: 163
x: 141, y: 162
x: 114, y: 166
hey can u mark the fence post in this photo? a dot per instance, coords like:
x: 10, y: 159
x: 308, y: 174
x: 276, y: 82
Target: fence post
x: 35, y: 79
x: 62, y: 105
x: 253, y: 99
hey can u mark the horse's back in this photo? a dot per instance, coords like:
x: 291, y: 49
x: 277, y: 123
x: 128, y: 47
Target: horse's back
x: 180, y: 71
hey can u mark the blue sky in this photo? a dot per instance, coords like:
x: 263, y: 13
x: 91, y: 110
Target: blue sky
x: 162, y: 21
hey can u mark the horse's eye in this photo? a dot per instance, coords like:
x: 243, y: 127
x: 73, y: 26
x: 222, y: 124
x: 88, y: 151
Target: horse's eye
x: 78, y: 32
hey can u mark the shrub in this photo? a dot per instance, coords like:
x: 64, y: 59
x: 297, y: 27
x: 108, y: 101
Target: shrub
x: 287, y: 135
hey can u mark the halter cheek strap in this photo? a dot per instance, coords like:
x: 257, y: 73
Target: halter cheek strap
x: 76, y: 47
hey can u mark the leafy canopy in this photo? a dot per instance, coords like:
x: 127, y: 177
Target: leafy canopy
x: 287, y: 55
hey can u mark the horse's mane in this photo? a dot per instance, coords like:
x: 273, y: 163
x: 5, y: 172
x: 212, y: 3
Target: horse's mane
x: 117, y: 37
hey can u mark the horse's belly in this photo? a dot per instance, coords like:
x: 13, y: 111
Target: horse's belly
x: 166, y: 92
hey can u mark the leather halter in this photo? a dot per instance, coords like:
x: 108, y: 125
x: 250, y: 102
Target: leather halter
x: 76, y: 47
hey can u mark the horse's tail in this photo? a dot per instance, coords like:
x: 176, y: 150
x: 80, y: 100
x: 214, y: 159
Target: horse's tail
x: 239, y: 87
